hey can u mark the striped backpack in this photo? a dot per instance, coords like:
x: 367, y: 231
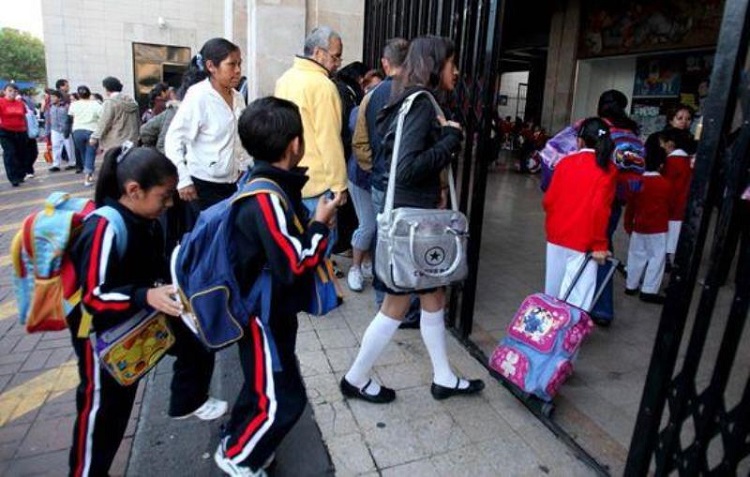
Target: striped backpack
x: 44, y: 276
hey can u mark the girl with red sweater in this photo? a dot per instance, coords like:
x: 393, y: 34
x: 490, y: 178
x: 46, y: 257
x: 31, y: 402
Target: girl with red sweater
x: 678, y: 171
x: 578, y: 204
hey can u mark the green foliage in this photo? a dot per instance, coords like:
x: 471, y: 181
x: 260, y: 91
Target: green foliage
x: 21, y: 56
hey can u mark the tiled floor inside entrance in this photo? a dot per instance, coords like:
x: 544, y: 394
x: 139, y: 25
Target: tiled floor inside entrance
x: 599, y: 404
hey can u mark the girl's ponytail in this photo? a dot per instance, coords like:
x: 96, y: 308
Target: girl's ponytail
x: 106, y: 184
x: 595, y: 134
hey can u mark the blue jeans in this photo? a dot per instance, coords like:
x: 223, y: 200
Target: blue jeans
x: 604, y: 309
x: 84, y: 151
x: 362, y: 238
x: 311, y: 203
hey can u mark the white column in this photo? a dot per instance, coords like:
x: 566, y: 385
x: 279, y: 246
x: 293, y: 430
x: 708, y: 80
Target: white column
x: 229, y: 19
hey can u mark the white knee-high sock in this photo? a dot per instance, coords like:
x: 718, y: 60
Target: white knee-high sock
x: 376, y: 338
x: 432, y: 326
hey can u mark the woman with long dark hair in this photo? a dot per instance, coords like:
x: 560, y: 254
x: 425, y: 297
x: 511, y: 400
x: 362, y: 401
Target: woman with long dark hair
x: 427, y: 145
x: 202, y: 139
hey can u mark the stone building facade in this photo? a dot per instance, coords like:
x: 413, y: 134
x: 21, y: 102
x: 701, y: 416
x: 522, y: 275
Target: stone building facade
x: 140, y: 40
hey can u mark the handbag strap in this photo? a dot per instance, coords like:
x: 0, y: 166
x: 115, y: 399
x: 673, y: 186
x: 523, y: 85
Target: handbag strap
x: 403, y: 111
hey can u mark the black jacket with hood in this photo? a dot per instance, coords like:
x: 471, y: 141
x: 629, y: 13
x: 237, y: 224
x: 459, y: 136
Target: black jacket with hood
x: 426, y: 149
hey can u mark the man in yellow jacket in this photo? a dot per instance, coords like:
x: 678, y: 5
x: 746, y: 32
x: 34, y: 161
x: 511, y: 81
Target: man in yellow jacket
x: 308, y: 85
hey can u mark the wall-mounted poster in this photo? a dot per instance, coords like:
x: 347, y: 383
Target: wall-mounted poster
x: 619, y: 27
x: 663, y: 81
x: 657, y: 76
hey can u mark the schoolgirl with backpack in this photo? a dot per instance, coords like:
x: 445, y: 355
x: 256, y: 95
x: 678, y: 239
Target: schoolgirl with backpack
x: 123, y: 324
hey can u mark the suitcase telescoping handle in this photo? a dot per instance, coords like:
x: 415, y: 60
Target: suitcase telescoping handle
x: 614, y: 263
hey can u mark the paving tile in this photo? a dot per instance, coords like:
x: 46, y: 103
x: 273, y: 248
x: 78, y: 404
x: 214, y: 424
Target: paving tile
x: 59, y: 357
x: 405, y: 375
x: 36, y: 360
x: 27, y: 343
x: 55, y: 341
x: 350, y: 455
x: 323, y: 388
x: 395, y: 443
x: 13, y: 358
x: 47, y: 436
x: 480, y: 422
x: 49, y: 464
x: 336, y: 338
x: 313, y: 362
x: 466, y: 461
x: 334, y: 418
x: 412, y: 469
x: 439, y: 433
x: 308, y: 341
x: 341, y: 359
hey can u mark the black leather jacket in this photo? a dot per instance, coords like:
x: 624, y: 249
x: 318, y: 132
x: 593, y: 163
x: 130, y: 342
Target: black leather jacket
x: 426, y: 149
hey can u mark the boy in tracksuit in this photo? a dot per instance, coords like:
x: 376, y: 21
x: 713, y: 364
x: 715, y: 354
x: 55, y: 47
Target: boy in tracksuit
x: 647, y: 222
x: 269, y: 233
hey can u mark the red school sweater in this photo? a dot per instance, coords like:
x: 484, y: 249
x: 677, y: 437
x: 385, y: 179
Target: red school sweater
x: 578, y: 202
x: 648, y: 209
x: 678, y: 172
x: 13, y: 115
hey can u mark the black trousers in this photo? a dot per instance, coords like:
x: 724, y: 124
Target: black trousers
x: 15, y: 154
x: 269, y: 403
x: 104, y: 406
x: 210, y: 193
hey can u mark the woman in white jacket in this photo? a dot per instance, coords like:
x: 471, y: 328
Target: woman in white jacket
x: 202, y: 139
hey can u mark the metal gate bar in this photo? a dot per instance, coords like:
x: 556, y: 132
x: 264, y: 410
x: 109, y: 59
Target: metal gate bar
x: 680, y: 394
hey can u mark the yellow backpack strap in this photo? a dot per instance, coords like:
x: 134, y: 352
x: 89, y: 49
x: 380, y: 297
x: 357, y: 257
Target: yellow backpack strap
x: 84, y: 328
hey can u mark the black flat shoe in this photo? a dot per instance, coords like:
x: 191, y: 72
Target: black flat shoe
x: 631, y: 291
x: 443, y: 392
x: 385, y: 395
x: 652, y: 298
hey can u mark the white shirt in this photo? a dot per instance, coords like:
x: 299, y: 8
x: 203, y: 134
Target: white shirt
x: 202, y: 139
x: 86, y: 114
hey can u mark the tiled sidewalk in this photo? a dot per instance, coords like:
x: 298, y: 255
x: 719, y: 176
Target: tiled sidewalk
x: 490, y: 434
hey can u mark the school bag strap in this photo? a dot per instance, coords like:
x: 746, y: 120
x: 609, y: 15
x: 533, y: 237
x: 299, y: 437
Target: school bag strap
x: 115, y: 219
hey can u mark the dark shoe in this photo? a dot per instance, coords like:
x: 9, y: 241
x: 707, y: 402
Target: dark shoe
x: 443, y: 392
x: 70, y: 167
x: 54, y: 169
x: 652, y: 298
x: 604, y: 323
x: 79, y: 171
x: 385, y: 395
x: 14, y: 184
x: 631, y: 291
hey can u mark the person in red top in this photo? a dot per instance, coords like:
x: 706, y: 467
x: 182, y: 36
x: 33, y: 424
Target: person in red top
x: 578, y: 204
x: 13, y: 137
x: 678, y: 171
x: 647, y: 222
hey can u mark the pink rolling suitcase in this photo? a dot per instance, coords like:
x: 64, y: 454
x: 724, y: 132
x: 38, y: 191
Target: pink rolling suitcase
x: 543, y: 340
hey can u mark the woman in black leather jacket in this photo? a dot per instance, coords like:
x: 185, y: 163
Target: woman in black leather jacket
x: 427, y: 145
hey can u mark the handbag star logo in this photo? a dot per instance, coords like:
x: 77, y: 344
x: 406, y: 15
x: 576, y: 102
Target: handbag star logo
x: 434, y: 256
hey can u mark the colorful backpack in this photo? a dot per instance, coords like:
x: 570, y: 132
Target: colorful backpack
x: 543, y: 340
x: 628, y: 156
x: 44, y: 278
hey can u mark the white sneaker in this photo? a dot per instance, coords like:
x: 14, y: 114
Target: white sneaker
x: 230, y: 468
x: 354, y: 279
x: 211, y: 409
x: 367, y: 270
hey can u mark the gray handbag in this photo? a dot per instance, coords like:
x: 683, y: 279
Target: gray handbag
x: 418, y: 249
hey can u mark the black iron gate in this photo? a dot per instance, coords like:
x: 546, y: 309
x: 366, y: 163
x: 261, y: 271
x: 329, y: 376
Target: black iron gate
x: 474, y: 25
x: 701, y: 433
